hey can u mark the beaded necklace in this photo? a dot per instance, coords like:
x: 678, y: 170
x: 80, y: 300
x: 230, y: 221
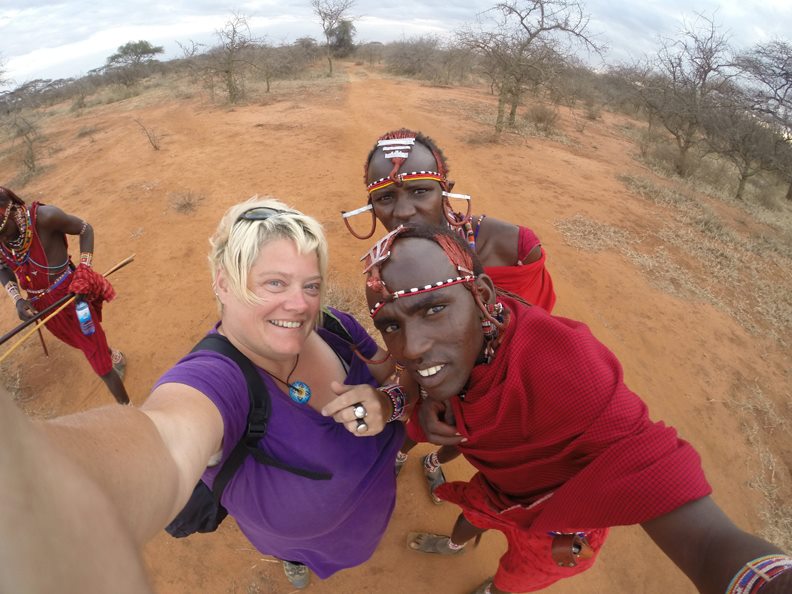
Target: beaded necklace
x: 468, y: 233
x: 299, y: 392
x: 17, y: 250
x: 6, y: 214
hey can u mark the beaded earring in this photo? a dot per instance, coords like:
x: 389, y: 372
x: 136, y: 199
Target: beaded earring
x: 489, y: 329
x: 495, y: 310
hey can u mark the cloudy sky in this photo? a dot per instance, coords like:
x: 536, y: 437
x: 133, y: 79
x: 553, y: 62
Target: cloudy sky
x: 45, y: 39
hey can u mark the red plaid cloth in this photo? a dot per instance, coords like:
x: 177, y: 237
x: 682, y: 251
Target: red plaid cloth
x: 558, y: 439
x: 92, y: 285
x: 531, y: 281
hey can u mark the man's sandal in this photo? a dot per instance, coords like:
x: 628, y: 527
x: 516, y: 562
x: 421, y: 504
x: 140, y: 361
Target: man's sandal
x: 119, y: 363
x: 426, y: 542
x: 298, y: 574
x: 434, y: 478
x: 484, y: 588
x: 401, y: 459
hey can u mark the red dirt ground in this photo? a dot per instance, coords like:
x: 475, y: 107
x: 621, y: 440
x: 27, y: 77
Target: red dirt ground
x: 306, y: 144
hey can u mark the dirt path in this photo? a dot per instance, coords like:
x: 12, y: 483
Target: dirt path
x: 306, y: 144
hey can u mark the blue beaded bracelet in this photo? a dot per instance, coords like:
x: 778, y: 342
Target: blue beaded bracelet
x: 398, y: 399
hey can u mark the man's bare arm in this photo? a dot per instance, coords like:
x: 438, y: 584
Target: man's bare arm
x: 704, y: 543
x: 498, y: 244
x: 53, y: 219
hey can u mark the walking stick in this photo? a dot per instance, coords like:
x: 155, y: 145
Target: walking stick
x: 41, y: 338
x: 62, y: 304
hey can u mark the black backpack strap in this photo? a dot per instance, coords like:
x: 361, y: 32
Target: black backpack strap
x: 341, y: 340
x: 332, y: 322
x: 258, y: 417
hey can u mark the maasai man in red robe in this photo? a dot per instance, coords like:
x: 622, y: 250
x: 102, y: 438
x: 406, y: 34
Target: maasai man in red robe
x: 564, y: 450
x: 34, y: 256
x: 407, y: 182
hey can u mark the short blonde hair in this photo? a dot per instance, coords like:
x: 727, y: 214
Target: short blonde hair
x: 236, y: 243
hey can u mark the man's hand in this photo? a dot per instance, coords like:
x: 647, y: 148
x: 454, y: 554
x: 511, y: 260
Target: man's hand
x: 438, y: 423
x: 376, y: 408
x: 25, y: 311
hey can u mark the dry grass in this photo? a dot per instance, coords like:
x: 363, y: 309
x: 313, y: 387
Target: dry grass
x: 666, y: 275
x: 744, y: 275
x: 759, y: 418
x: 349, y: 298
x: 12, y: 383
x: 476, y: 111
x: 543, y: 118
x: 479, y: 138
x: 88, y: 131
x: 185, y: 202
x: 591, y: 236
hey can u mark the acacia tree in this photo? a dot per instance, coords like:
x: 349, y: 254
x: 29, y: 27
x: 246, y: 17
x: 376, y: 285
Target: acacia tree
x: 522, y: 42
x: 331, y: 13
x: 768, y: 70
x: 134, y: 53
x: 679, y: 84
x: 129, y: 60
x: 342, y: 39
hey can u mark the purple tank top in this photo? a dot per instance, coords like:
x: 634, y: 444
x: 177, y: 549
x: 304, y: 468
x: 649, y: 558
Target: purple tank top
x: 328, y: 525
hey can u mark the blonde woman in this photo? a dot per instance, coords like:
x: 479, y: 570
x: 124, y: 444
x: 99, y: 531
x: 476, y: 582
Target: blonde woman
x: 268, y: 268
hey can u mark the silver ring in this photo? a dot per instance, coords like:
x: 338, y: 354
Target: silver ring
x: 362, y: 427
x: 360, y: 410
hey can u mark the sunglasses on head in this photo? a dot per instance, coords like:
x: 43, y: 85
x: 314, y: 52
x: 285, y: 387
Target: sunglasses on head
x: 262, y: 213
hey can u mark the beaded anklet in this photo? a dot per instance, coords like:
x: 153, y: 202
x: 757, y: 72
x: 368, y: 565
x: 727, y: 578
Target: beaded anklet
x: 432, y: 462
x: 455, y: 547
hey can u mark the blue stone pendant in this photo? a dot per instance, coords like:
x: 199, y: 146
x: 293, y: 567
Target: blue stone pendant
x: 300, y: 392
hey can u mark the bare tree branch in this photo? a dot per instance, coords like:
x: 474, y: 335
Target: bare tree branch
x: 524, y: 44
x: 331, y: 13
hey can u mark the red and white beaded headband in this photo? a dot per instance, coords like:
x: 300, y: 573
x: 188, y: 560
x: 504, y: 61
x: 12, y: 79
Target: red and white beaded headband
x: 400, y: 178
x: 468, y: 278
x: 380, y: 252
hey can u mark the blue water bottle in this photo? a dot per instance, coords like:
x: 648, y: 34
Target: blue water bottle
x: 84, y: 317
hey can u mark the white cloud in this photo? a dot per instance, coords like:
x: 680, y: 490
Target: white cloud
x: 54, y: 39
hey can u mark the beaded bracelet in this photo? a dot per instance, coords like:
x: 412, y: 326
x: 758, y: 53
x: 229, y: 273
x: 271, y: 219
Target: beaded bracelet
x: 13, y: 291
x: 86, y: 258
x: 398, y: 399
x: 756, y: 574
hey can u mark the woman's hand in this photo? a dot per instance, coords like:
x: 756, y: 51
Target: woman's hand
x: 362, y: 409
